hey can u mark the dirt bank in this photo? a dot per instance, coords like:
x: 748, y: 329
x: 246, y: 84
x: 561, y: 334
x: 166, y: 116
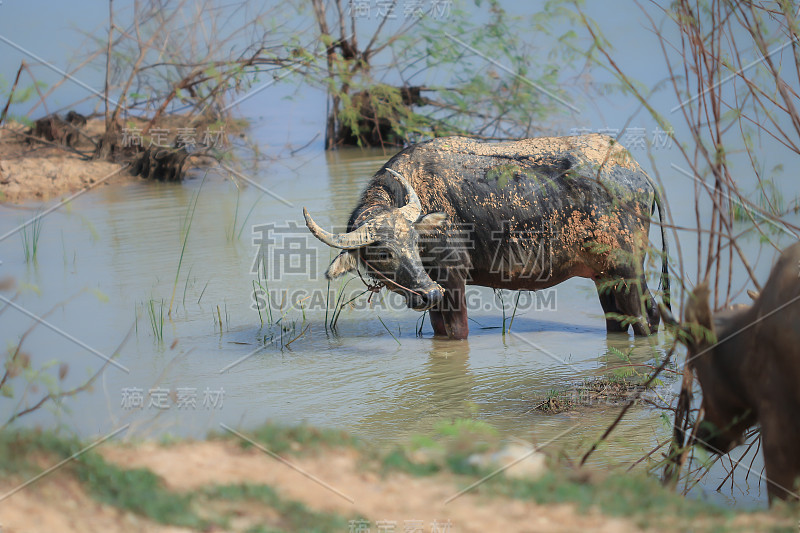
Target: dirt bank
x: 41, y: 163
x: 396, y: 497
x: 37, y: 171
x: 224, y: 485
x: 184, y: 467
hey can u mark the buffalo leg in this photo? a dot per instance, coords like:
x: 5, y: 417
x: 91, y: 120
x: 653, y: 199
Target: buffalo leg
x: 437, y: 322
x: 653, y: 316
x: 451, y: 317
x: 629, y: 301
x: 779, y: 443
x: 609, y: 303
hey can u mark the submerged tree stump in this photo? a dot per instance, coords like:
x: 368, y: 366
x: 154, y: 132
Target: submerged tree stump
x: 161, y: 164
x: 375, y: 117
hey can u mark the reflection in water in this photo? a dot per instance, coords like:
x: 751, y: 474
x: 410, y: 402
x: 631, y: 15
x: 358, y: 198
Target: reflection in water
x: 349, y: 172
x: 439, y: 390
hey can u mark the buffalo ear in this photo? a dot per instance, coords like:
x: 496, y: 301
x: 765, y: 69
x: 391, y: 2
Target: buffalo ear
x: 342, y: 264
x: 430, y: 222
x: 698, y: 323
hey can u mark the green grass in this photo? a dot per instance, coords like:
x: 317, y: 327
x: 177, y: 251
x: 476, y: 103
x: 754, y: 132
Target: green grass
x: 340, y: 304
x: 633, y: 495
x: 507, y: 321
x: 398, y: 459
x: 293, y: 516
x: 621, y: 494
x: 389, y: 332
x: 187, y: 227
x: 258, y: 305
x: 615, y: 493
x: 16, y: 448
x: 30, y: 239
x: 278, y: 438
x: 143, y: 493
x: 283, y: 329
x: 136, y: 490
x: 233, y: 234
x: 155, y: 312
x: 265, y: 291
x: 218, y: 317
x: 448, y: 449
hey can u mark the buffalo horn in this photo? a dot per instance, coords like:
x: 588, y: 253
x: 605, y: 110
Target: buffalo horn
x: 358, y: 238
x: 413, y: 208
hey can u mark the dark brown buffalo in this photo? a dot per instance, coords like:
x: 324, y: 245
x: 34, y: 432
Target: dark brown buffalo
x: 751, y: 374
x: 527, y: 214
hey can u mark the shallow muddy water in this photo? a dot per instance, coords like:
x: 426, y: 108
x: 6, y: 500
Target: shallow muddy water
x: 113, y: 255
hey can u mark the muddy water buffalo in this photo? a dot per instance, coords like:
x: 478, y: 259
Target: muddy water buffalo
x: 751, y: 375
x: 526, y: 215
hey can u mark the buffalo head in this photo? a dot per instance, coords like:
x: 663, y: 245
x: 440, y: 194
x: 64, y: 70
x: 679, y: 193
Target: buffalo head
x: 386, y: 243
x: 713, y: 353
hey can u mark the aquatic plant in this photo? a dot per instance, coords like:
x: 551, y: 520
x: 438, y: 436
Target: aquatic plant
x: 155, y: 312
x: 187, y: 226
x: 30, y: 234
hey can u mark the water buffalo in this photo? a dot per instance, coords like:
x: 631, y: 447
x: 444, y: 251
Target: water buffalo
x: 748, y: 364
x: 527, y: 214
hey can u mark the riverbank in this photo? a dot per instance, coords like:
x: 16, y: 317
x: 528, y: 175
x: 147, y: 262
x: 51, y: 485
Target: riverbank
x: 55, y: 159
x: 38, y: 171
x: 303, y: 479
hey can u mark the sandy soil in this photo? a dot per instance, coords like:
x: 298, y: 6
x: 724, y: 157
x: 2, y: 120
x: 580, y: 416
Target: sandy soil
x: 32, y: 170
x: 53, y: 174
x: 59, y: 503
x: 397, y: 497
x: 40, y: 172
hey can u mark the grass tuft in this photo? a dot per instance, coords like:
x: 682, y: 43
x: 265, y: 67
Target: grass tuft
x: 155, y: 312
x: 138, y: 490
x: 30, y: 239
x: 187, y: 226
x: 288, y: 516
x: 298, y: 439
